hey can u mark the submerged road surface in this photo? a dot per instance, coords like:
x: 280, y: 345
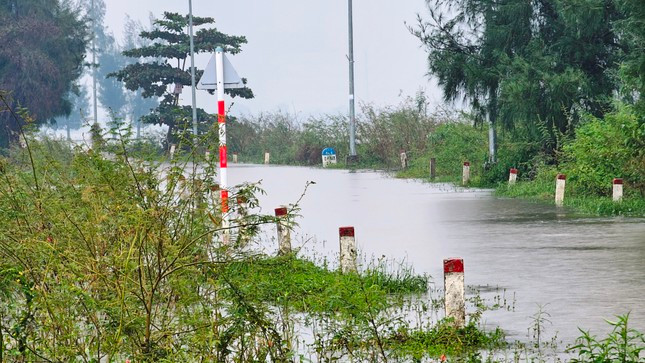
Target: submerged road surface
x: 581, y: 269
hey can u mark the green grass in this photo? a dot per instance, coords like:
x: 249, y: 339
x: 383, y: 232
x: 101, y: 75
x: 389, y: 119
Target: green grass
x: 543, y: 190
x: 443, y: 338
x: 308, y: 287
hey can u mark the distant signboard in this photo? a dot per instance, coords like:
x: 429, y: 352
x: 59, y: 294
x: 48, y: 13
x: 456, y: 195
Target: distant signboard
x: 328, y: 157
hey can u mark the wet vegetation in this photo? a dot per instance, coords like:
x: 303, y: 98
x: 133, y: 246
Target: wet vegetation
x: 106, y: 257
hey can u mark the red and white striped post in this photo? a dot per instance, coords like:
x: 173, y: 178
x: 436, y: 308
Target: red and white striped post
x: 284, y: 235
x: 466, y: 173
x: 454, y: 290
x: 348, y: 250
x: 617, y: 194
x: 512, y: 176
x: 221, y: 120
x: 560, y: 183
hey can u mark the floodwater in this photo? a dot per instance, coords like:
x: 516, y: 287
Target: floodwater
x: 581, y: 269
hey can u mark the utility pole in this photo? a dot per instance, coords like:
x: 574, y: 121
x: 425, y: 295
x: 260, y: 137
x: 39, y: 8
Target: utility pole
x: 94, y: 65
x: 352, y: 158
x: 492, y: 140
x: 192, y: 66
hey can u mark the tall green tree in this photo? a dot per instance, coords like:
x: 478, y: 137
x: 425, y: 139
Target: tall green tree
x: 168, y: 73
x: 42, y: 51
x: 81, y: 106
x: 533, y: 66
x: 632, y: 30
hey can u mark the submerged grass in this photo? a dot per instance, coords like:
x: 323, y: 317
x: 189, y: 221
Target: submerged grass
x: 307, y: 287
x: 444, y: 339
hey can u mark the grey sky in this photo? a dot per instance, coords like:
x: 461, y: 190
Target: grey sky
x: 295, y: 58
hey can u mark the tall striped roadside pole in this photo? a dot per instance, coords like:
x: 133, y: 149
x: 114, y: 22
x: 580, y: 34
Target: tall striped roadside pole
x: 221, y: 120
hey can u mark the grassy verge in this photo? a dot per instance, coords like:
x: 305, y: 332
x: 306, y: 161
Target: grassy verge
x: 630, y: 206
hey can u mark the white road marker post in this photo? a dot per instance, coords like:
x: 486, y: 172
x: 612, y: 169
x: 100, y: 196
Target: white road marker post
x: 348, y: 252
x: 617, y: 194
x: 328, y: 157
x: 512, y: 176
x: 284, y: 234
x: 560, y: 183
x: 173, y: 147
x: 267, y: 157
x: 404, y: 159
x: 207, y: 155
x: 466, y: 173
x: 235, y: 158
x: 454, y: 290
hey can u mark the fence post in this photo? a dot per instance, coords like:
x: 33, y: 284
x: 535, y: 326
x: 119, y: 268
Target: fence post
x: 348, y: 250
x: 433, y: 163
x: 454, y: 290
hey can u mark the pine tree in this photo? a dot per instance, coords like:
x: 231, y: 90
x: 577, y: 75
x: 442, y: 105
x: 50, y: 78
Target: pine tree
x: 167, y: 74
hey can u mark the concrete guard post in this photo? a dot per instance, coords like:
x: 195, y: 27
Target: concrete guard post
x: 433, y: 166
x: 267, y: 157
x: 466, y: 174
x: 454, y: 290
x: 404, y: 159
x: 617, y: 194
x: 560, y: 183
x: 284, y: 234
x: 348, y: 250
x: 235, y: 158
x: 207, y: 155
x: 173, y: 147
x: 512, y: 176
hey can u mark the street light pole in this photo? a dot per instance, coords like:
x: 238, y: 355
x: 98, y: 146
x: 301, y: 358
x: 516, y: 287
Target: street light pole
x: 352, y: 113
x: 192, y: 66
x: 96, y: 119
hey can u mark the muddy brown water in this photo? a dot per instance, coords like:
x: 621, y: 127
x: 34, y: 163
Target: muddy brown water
x: 581, y: 269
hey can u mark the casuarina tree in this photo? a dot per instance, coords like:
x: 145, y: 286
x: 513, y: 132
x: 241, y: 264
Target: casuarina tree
x: 42, y: 51
x: 531, y: 66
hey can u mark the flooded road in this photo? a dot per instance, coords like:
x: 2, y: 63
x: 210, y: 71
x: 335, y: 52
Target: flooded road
x: 582, y: 269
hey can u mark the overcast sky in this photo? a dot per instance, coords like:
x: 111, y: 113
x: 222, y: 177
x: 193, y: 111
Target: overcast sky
x: 295, y: 59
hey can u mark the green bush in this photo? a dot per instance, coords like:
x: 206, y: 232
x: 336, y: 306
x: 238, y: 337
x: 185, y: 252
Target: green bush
x: 603, y: 149
x: 623, y: 344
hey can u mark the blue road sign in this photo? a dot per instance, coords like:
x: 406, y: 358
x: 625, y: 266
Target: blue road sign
x: 328, y: 151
